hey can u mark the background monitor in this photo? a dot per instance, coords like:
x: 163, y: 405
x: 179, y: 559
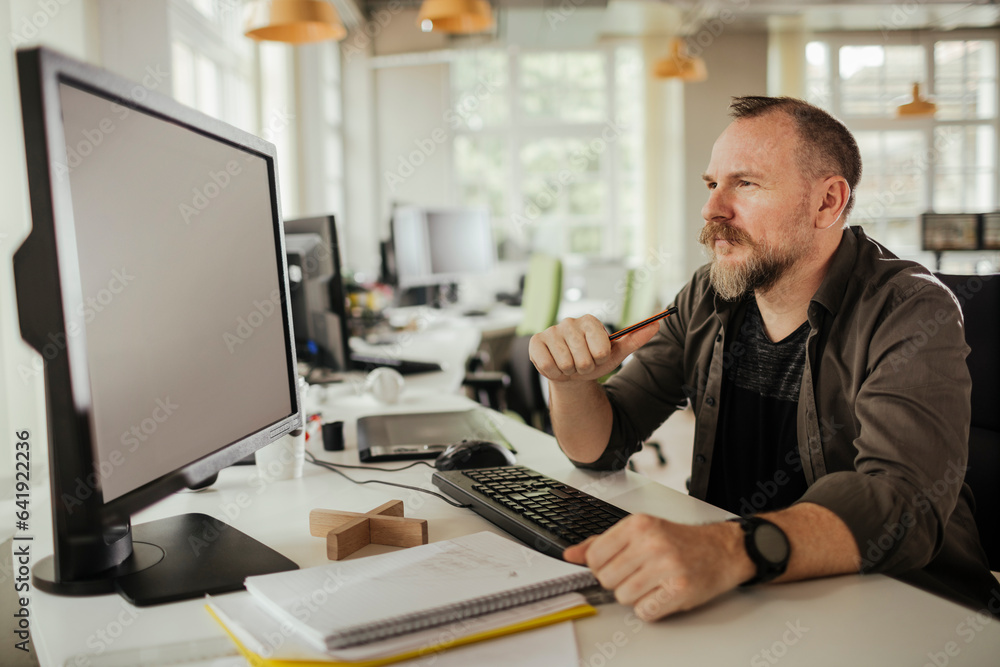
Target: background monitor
x: 437, y: 246
x: 319, y: 306
x: 156, y: 261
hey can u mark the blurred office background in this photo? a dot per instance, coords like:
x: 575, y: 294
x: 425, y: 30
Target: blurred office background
x: 553, y: 118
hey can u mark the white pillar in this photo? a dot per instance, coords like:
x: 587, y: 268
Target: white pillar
x: 786, y: 56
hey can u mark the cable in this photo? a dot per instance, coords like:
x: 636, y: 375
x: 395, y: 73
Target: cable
x: 332, y: 467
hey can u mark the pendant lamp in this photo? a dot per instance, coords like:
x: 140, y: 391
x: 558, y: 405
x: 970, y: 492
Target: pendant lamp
x: 920, y: 106
x: 292, y: 21
x: 679, y: 65
x: 455, y: 16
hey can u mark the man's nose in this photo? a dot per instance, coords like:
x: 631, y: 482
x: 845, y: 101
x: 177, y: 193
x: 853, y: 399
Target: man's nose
x: 717, y: 208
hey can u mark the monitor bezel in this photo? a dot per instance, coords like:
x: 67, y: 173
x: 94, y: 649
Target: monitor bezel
x: 430, y: 279
x: 48, y: 261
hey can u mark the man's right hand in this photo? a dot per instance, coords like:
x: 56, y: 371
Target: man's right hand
x: 578, y: 348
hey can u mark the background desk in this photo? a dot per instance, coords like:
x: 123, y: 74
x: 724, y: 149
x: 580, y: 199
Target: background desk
x: 848, y: 620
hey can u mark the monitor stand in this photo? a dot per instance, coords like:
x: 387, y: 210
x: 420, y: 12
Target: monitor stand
x: 176, y: 558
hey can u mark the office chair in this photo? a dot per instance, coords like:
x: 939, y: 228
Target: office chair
x: 979, y: 297
x: 517, y: 389
x: 640, y: 302
x: 640, y: 298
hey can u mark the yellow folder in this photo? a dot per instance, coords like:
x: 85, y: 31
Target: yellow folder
x: 557, y: 617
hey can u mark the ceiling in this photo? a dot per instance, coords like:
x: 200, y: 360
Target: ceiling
x: 753, y: 15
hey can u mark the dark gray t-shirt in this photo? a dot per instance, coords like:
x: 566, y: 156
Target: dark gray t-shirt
x: 756, y: 465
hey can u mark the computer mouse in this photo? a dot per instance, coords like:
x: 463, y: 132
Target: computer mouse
x: 474, y: 454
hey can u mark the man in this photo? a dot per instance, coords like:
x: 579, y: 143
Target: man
x: 826, y: 408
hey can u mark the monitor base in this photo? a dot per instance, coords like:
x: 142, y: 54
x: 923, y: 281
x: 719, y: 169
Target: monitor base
x: 176, y: 558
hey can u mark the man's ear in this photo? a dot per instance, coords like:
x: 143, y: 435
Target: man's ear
x: 835, y: 194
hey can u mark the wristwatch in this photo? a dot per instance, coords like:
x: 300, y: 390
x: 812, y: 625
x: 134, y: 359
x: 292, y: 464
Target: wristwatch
x: 768, y: 548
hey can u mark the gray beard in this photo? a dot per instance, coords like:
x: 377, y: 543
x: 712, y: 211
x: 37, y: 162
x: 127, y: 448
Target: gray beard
x: 760, y: 271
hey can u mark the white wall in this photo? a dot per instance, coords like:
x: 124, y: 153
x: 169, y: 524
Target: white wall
x: 363, y: 222
x: 414, y: 136
x: 737, y: 65
x: 71, y: 27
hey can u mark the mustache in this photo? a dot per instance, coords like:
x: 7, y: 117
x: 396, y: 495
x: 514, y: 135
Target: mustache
x: 717, y: 230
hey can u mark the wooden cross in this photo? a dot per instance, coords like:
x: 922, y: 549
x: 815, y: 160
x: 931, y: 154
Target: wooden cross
x: 346, y: 532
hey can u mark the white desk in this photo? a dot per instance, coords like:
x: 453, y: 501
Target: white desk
x: 849, y: 620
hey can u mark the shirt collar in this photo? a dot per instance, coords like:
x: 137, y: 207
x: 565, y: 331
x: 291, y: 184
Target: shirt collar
x: 830, y: 294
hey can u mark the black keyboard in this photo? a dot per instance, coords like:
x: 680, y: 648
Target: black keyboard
x: 538, y: 510
x: 366, y: 362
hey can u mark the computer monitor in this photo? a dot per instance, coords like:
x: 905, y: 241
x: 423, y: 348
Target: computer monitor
x: 319, y: 306
x: 153, y: 283
x: 438, y: 246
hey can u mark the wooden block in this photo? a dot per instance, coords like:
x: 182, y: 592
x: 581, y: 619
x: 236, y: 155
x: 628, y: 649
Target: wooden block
x: 321, y: 522
x: 348, y: 538
x: 397, y: 531
x: 391, y: 508
x: 346, y: 532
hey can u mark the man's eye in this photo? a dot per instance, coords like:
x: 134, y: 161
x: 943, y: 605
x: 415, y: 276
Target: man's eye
x: 745, y: 183
x: 711, y: 186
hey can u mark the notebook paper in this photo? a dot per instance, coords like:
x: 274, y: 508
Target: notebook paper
x: 358, y: 601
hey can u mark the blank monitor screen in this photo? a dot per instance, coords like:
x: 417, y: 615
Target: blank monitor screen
x: 185, y: 338
x: 434, y: 246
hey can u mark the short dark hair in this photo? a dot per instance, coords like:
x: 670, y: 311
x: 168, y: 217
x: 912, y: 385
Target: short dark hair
x: 830, y: 148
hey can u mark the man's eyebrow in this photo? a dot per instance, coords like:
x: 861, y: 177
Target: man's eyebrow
x: 736, y: 176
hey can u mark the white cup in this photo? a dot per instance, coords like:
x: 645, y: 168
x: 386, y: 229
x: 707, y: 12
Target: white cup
x: 283, y: 458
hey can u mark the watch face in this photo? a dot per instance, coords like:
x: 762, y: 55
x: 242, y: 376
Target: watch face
x: 771, y: 543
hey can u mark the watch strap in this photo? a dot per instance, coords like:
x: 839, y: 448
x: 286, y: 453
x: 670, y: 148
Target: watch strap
x: 767, y: 569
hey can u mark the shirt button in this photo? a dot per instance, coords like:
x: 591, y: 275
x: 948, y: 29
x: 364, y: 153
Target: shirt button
x: 700, y: 458
x: 710, y: 401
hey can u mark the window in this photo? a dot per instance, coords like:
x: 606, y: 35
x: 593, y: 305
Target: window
x: 213, y: 63
x: 947, y: 163
x: 550, y: 141
x: 222, y: 73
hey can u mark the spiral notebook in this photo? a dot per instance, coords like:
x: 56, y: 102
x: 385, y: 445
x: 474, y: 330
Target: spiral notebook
x: 360, y: 601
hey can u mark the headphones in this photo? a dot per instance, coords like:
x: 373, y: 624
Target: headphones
x: 385, y: 384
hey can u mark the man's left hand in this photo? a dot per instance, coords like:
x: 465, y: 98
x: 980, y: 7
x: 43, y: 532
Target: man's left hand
x: 661, y: 567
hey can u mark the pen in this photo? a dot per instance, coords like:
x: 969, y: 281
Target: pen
x: 659, y: 316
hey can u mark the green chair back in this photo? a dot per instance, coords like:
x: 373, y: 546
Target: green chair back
x: 640, y: 297
x: 542, y: 294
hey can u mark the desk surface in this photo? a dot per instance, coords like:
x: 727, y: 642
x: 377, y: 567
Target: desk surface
x: 855, y: 620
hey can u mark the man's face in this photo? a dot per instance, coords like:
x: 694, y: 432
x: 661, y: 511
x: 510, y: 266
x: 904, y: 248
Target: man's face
x: 758, y: 220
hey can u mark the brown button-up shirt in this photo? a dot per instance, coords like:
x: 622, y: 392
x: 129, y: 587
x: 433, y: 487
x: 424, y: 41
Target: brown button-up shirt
x: 882, y: 417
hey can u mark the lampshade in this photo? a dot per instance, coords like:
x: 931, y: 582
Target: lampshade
x: 920, y: 106
x: 456, y: 16
x: 679, y: 65
x: 292, y: 21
